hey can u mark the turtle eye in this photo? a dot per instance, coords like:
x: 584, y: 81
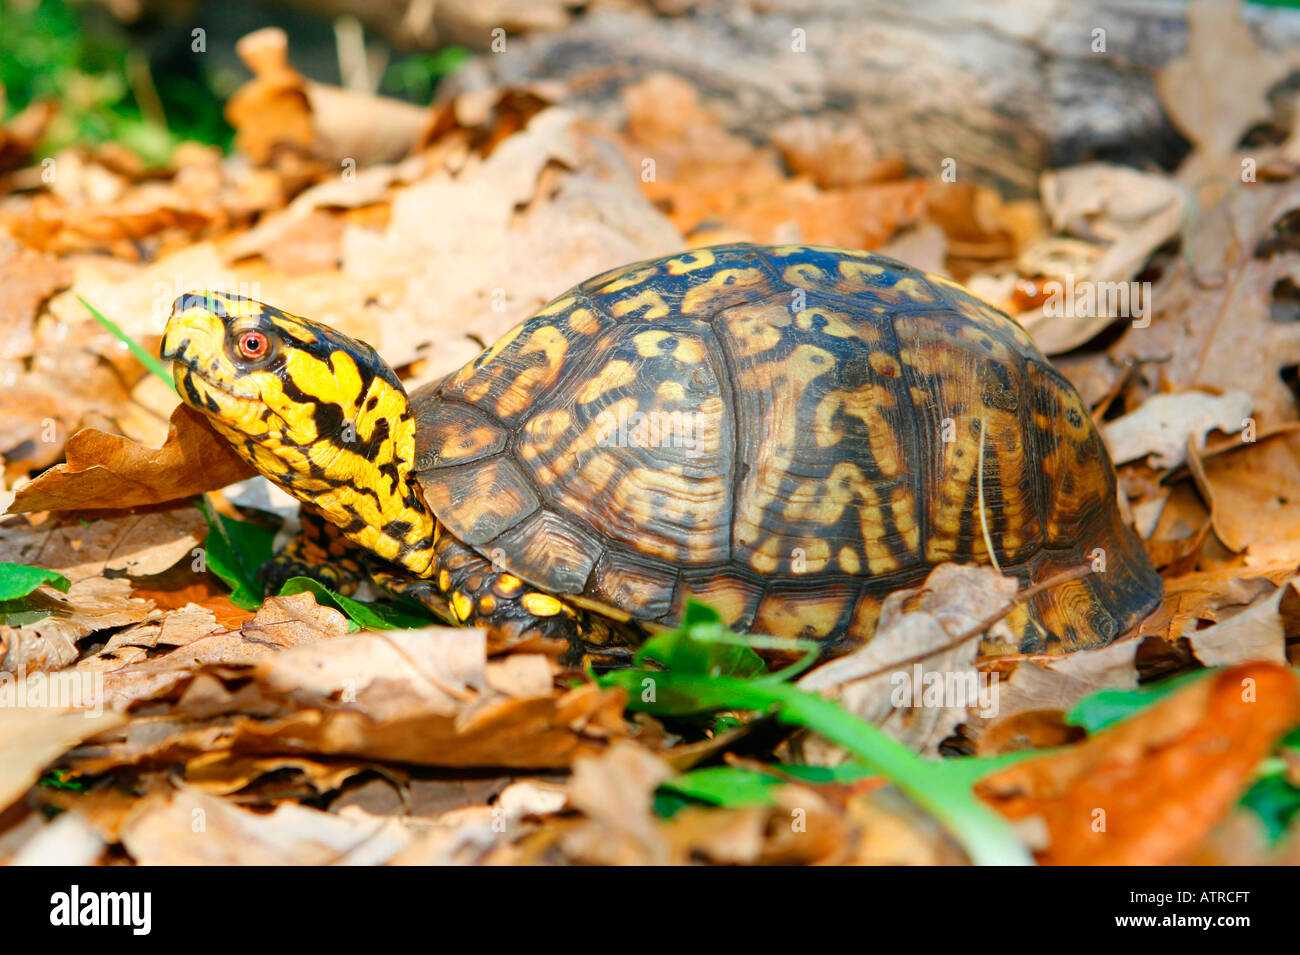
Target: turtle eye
x: 253, y: 345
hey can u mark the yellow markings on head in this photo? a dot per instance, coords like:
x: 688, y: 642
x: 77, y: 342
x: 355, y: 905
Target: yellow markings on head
x: 691, y: 261
x: 317, y: 413
x: 541, y: 605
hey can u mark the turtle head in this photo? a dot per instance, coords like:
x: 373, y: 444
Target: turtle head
x: 316, y: 412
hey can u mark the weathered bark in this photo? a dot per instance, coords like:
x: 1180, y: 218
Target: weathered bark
x: 1005, y: 88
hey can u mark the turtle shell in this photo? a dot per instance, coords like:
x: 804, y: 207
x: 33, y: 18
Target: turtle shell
x: 787, y: 433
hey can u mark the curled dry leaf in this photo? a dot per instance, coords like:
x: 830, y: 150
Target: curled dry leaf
x: 291, y: 835
x: 1256, y: 633
x: 280, y: 623
x: 1213, y: 325
x: 110, y: 471
x: 1110, y: 800
x: 280, y: 110
x: 31, y: 738
x: 138, y: 545
x: 1163, y: 424
x: 419, y: 697
x: 1123, y: 216
x: 891, y: 680
x: 1219, y: 88
x: 96, y: 603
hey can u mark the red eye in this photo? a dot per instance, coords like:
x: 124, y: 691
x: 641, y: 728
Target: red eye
x: 253, y: 345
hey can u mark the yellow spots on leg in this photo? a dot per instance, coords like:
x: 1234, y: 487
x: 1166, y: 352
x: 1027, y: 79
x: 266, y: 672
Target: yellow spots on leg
x: 486, y: 604
x: 461, y: 606
x: 541, y: 605
x: 507, y: 585
x: 444, y: 581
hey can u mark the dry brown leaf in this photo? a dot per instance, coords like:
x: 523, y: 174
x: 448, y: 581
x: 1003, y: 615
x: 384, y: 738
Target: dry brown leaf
x: 879, y: 681
x: 1193, y: 600
x: 93, y: 604
x: 29, y: 278
x: 20, y: 136
x: 414, y: 697
x: 1218, y: 89
x: 1256, y: 633
x: 109, y: 471
x: 1120, y: 216
x: 1148, y: 790
x: 278, y: 110
x: 1162, y: 425
x: 1216, y: 331
x: 193, y: 828
x: 31, y: 738
x: 1257, y: 496
x: 139, y: 545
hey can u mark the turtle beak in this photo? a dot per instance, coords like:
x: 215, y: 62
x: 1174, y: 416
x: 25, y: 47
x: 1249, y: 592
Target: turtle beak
x: 194, y: 340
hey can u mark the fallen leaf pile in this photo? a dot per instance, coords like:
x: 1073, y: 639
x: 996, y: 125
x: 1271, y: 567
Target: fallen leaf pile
x: 141, y: 689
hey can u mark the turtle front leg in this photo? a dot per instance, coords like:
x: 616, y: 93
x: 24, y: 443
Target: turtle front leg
x: 465, y: 588
x: 321, y: 552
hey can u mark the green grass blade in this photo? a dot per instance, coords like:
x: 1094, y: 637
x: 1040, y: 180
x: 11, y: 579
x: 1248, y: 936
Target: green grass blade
x: 149, y: 361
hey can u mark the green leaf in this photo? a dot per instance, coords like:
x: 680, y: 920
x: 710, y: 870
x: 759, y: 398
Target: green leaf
x: 1276, y: 802
x: 363, y: 616
x: 701, y: 644
x: 235, y: 550
x: 1106, y: 707
x: 987, y: 838
x: 729, y: 786
x: 736, y: 786
x: 19, y: 580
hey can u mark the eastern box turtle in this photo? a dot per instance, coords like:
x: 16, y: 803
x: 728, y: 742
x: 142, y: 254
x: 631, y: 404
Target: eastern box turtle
x: 787, y: 433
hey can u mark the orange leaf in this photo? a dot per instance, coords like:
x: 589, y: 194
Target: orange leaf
x: 1148, y: 790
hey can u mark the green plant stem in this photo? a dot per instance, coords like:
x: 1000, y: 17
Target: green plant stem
x: 987, y: 838
x: 149, y: 361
